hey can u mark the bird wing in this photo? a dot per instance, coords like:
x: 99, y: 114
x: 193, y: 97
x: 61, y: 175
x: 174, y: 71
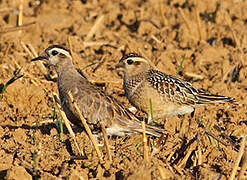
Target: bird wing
x: 180, y: 91
x: 173, y: 88
x: 96, y: 106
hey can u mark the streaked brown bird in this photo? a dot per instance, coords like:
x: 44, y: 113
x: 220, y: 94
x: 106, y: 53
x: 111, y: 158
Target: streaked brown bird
x: 94, y: 104
x: 168, y: 95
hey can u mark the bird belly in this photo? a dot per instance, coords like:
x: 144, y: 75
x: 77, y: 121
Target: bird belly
x: 161, y: 107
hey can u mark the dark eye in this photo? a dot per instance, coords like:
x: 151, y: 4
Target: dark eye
x: 54, y: 53
x: 130, y: 61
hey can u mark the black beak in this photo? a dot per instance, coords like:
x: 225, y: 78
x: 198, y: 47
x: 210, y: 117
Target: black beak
x: 39, y: 58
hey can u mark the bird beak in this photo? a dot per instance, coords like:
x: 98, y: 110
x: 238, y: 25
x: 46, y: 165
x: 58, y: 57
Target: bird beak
x: 39, y: 58
x: 42, y: 57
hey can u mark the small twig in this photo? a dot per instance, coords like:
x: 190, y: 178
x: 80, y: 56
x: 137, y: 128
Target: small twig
x: 20, y: 15
x: 185, y: 20
x: 70, y: 48
x: 35, y: 54
x: 6, y: 10
x: 199, y: 150
x: 106, y: 141
x: 27, y: 50
x: 156, y: 39
x: 86, y: 126
x: 240, y: 154
x: 67, y: 124
x: 151, y: 111
x: 231, y: 142
x: 227, y: 72
x: 17, y: 75
x: 227, y: 19
x: 244, y: 166
x: 178, y: 169
x: 185, y: 159
x: 193, y: 75
x: 92, y: 43
x: 198, y: 20
x: 145, y: 146
x: 162, y: 14
x: 165, y: 173
x: 6, y: 52
x: 17, y: 28
x: 33, y: 79
x: 96, y: 27
x: 103, y: 59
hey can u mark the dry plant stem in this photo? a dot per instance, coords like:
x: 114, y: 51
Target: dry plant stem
x: 86, y: 126
x: 240, y: 154
x: 20, y: 16
x: 92, y: 43
x: 185, y: 20
x: 106, y: 141
x: 193, y: 75
x: 227, y: 72
x: 156, y: 39
x: 235, y: 37
x: 40, y: 64
x: 34, y: 80
x: 26, y: 49
x: 6, y: 10
x: 199, y: 150
x: 164, y: 173
x: 216, y: 138
x: 96, y: 27
x: 198, y: 20
x: 145, y: 146
x: 178, y: 169
x: 162, y: 13
x: 6, y: 52
x: 31, y: 54
x: 67, y: 124
x: 244, y: 166
x: 99, y: 64
x: 11, y: 29
x: 183, y: 162
x: 70, y: 48
x: 228, y: 21
x: 35, y: 54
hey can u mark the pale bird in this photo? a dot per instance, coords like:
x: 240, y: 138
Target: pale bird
x: 166, y: 95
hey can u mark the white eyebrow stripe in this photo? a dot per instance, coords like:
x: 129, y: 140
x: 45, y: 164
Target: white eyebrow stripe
x: 60, y: 51
x: 137, y: 59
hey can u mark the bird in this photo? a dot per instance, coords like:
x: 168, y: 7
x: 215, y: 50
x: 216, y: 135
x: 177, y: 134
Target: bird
x: 94, y: 104
x: 161, y: 95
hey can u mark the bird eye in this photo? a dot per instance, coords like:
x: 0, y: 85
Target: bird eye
x: 54, y: 52
x: 130, y: 61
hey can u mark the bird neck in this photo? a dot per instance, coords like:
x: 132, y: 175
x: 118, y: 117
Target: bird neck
x: 63, y: 67
x: 68, y: 71
x: 136, y: 77
x: 132, y: 81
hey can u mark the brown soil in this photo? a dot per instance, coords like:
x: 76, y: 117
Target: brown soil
x: 214, y: 47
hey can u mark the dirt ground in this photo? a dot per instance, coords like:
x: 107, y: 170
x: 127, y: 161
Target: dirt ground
x: 210, y: 35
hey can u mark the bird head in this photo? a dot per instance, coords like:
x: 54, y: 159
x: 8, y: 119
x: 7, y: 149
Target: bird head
x: 132, y: 64
x: 55, y: 55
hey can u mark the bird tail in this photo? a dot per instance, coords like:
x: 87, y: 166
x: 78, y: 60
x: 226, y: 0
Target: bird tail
x: 204, y: 98
x: 151, y: 130
x: 154, y: 131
